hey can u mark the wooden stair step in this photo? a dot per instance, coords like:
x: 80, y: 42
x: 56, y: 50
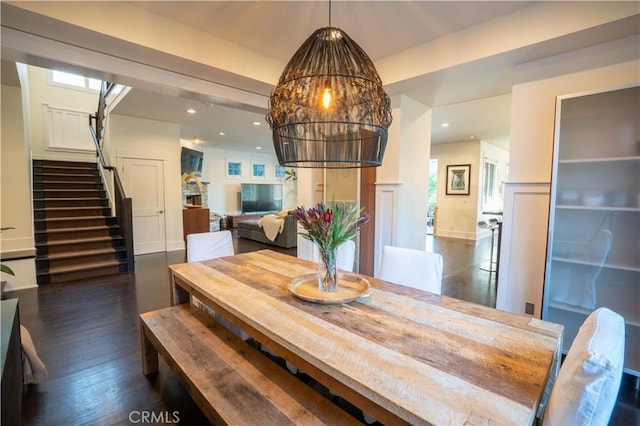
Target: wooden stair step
x: 62, y: 219
x: 70, y: 194
x: 66, y: 177
x: 65, y: 164
x: 70, y: 182
x: 80, y: 229
x: 49, y: 185
x: 74, y: 219
x: 73, y: 222
x: 74, y: 199
x: 82, y: 240
x: 70, y: 203
x: 77, y: 244
x: 74, y: 268
x: 78, y: 191
x: 66, y: 208
x: 81, y: 272
x: 80, y: 257
x: 67, y: 212
x: 64, y: 170
x: 50, y: 235
x: 70, y: 254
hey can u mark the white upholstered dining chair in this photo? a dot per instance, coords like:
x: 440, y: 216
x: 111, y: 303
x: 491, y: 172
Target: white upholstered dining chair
x: 412, y: 268
x: 586, y: 388
x: 207, y: 246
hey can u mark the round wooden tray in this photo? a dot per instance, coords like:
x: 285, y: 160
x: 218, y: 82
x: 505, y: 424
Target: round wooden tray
x: 350, y: 287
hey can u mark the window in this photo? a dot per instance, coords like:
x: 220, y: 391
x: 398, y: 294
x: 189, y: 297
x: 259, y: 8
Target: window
x: 66, y: 79
x: 75, y: 80
x: 258, y: 170
x: 491, y: 196
x: 234, y: 169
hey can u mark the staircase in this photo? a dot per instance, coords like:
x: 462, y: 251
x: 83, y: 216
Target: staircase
x: 76, y: 236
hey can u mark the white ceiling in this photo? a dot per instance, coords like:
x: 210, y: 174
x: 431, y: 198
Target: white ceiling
x: 381, y: 28
x: 474, y: 98
x: 278, y: 28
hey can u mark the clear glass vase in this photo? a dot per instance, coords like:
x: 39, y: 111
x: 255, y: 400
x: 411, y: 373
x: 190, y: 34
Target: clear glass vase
x: 327, y: 270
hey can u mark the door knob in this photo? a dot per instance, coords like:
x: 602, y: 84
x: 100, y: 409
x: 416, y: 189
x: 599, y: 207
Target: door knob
x: 160, y: 211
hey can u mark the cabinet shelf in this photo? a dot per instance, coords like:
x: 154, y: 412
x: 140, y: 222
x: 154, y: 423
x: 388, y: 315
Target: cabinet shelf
x: 600, y: 208
x: 576, y: 261
x: 590, y: 161
x: 585, y: 312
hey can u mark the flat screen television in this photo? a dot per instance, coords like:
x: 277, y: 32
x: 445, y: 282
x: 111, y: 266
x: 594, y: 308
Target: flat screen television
x: 260, y: 198
x: 191, y: 161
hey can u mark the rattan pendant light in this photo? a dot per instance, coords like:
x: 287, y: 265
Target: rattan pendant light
x: 329, y: 109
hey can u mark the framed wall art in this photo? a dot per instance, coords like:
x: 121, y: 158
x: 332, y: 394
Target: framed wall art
x: 458, y: 179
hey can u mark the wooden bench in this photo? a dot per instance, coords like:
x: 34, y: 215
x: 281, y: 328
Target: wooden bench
x: 231, y: 381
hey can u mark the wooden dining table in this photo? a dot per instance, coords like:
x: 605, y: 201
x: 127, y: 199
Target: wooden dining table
x: 402, y: 355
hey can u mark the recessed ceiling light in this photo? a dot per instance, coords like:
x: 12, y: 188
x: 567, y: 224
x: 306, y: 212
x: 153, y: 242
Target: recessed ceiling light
x: 258, y: 147
x: 191, y: 111
x: 221, y: 133
x: 256, y: 123
x: 444, y: 125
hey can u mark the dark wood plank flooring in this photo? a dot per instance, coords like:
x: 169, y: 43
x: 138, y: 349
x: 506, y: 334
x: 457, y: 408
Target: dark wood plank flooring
x: 87, y: 335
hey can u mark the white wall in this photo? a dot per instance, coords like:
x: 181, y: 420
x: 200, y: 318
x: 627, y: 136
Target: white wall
x: 41, y: 92
x: 402, y: 180
x: 525, y: 221
x: 415, y: 152
x: 457, y: 214
x: 224, y: 192
x: 342, y: 184
x: 15, y: 195
x: 134, y: 137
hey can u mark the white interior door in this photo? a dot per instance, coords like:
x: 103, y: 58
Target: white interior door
x: 143, y: 182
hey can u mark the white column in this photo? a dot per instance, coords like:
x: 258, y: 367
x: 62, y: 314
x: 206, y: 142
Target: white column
x: 402, y: 180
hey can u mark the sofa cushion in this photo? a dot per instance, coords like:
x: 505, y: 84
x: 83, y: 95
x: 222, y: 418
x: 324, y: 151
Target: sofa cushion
x: 288, y: 238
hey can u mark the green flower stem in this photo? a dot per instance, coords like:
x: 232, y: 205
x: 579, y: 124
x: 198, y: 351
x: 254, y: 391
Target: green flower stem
x: 328, y: 272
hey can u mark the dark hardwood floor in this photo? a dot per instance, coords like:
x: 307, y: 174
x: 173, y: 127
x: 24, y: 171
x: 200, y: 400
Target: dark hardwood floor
x: 462, y: 277
x: 87, y: 335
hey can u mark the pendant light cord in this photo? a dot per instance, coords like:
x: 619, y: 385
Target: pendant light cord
x: 329, y: 13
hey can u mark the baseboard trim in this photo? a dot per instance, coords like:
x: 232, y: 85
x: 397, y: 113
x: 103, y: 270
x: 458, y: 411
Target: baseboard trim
x: 175, y: 245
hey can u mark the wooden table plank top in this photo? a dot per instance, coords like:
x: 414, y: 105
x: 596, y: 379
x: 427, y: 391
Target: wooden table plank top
x: 400, y: 354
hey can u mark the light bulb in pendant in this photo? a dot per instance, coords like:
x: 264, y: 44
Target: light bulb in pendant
x: 326, y: 98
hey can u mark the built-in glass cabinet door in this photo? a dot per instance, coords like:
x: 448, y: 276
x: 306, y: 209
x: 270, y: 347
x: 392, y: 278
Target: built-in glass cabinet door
x: 593, y: 254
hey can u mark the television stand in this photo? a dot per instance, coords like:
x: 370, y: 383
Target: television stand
x: 232, y: 221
